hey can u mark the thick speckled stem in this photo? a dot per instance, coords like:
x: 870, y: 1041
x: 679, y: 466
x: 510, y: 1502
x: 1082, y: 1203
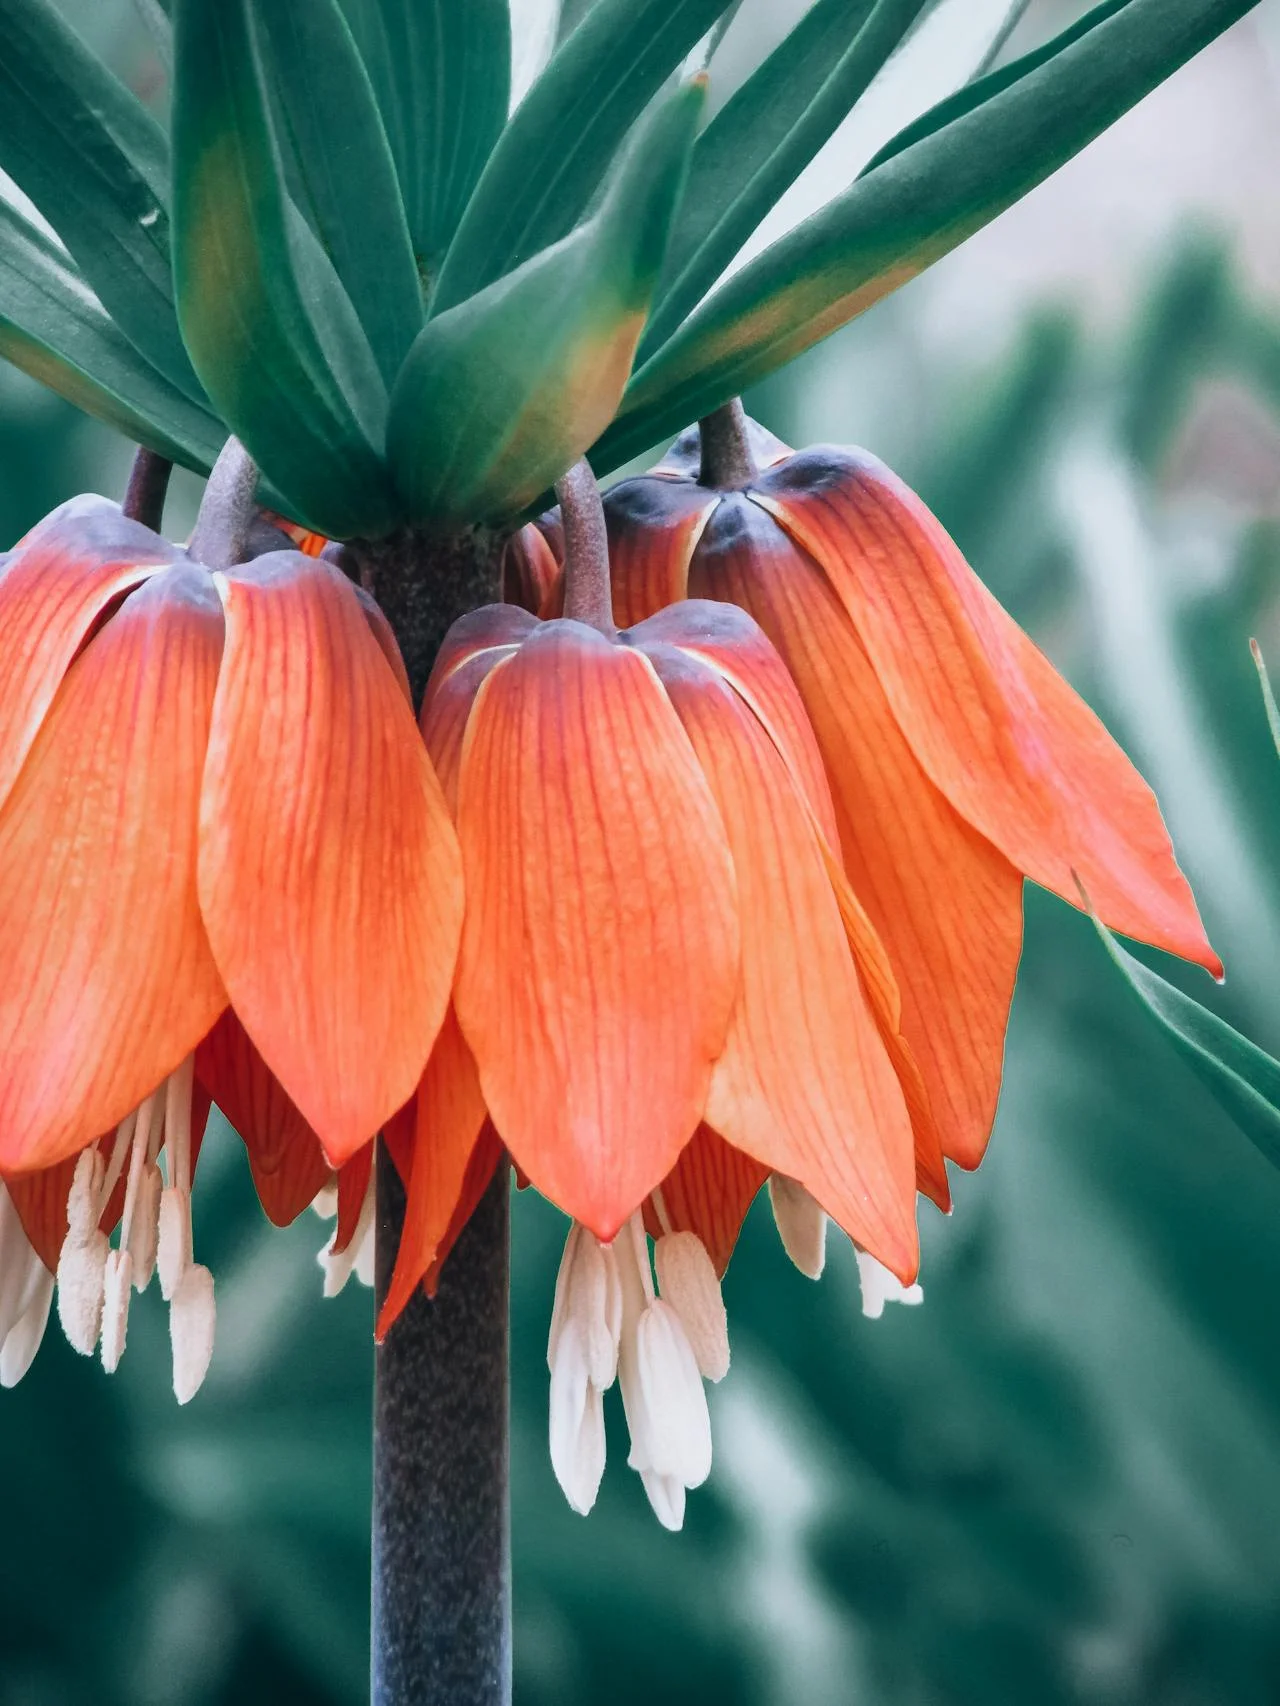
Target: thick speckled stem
x: 587, y: 597
x: 727, y: 462
x: 441, y: 1509
x: 441, y: 1505
x: 220, y: 537
x: 148, y: 486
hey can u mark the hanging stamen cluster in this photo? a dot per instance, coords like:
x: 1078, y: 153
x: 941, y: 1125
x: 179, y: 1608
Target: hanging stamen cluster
x: 95, y: 1281
x: 357, y: 1255
x: 659, y: 1340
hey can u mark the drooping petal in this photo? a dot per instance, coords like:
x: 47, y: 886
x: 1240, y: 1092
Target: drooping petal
x: 450, y: 1113
x: 995, y: 727
x: 330, y: 880
x: 734, y: 644
x: 108, y: 978
x: 471, y: 648
x: 486, y: 1158
x: 945, y: 903
x: 654, y: 525
x: 353, y: 1186
x: 285, y: 1158
x: 53, y: 589
x: 708, y: 1191
x: 804, y: 1084
x: 600, y: 951
x: 530, y: 569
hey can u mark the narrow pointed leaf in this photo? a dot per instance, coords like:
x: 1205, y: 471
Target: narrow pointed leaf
x: 759, y: 143
x: 912, y: 209
x: 54, y: 328
x: 1268, y: 696
x: 96, y: 164
x: 1240, y: 1077
x: 441, y: 72
x: 500, y: 395
x: 556, y: 151
x: 270, y: 329
x: 347, y: 171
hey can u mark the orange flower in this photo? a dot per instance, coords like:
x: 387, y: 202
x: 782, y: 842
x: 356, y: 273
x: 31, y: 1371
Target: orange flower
x: 224, y: 855
x: 959, y: 760
x: 663, y: 976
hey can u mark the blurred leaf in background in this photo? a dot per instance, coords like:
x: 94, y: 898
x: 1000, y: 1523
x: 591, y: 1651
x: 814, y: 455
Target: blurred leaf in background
x: 1054, y: 1483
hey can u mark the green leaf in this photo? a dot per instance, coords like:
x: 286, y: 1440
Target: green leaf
x: 54, y: 328
x: 1268, y: 697
x: 270, y: 329
x: 96, y: 164
x: 760, y: 142
x: 1241, y: 1078
x: 347, y: 171
x: 559, y: 144
x: 916, y: 206
x: 441, y: 71
x: 501, y: 394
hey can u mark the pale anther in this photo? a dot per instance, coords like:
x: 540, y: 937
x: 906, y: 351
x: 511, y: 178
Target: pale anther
x: 192, y: 1318
x: 118, y: 1283
x: 801, y: 1223
x: 17, y: 1352
x: 879, y: 1287
x: 687, y: 1280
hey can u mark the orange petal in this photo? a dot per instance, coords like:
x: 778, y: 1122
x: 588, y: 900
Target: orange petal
x: 450, y: 1113
x: 471, y: 648
x: 996, y: 728
x: 654, y: 524
x: 946, y: 905
x: 708, y: 1191
x: 353, y: 1187
x: 284, y: 1153
x: 330, y: 880
x: 108, y: 977
x: 804, y: 1084
x: 600, y: 950
x: 530, y: 569
x: 734, y: 644
x: 485, y: 1160
x: 53, y: 589
x: 730, y: 640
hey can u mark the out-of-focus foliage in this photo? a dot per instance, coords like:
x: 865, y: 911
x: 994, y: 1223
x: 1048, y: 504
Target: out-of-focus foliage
x: 1055, y: 1482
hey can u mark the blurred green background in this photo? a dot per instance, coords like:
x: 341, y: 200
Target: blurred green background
x: 1057, y: 1482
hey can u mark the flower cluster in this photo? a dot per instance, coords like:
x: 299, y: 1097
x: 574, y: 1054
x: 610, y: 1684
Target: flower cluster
x: 700, y: 875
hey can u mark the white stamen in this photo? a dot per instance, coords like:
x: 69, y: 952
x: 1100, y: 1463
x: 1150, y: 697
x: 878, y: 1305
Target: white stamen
x: 84, y: 1200
x: 118, y: 1283
x: 177, y: 1123
x: 801, y: 1224
x: 666, y: 1495
x: 577, y: 1421
x: 678, y: 1433
x: 22, y: 1341
x: 20, y: 1268
x: 192, y: 1318
x: 144, y: 1234
x: 879, y: 1287
x: 81, y: 1277
x: 687, y: 1280
x: 582, y: 1354
x: 173, y: 1239
x: 325, y: 1201
x: 357, y: 1258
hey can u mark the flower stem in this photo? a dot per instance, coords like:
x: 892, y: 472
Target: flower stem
x: 221, y: 534
x: 441, y: 1510
x: 587, y: 596
x: 148, y: 486
x: 441, y: 1513
x: 727, y: 462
